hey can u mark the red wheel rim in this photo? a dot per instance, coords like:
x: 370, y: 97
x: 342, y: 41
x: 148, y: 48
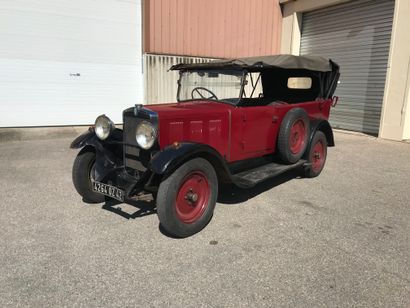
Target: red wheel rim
x: 192, y: 197
x: 318, y: 156
x: 297, y: 136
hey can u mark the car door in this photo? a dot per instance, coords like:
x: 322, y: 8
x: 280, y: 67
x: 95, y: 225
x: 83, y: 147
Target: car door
x: 258, y: 130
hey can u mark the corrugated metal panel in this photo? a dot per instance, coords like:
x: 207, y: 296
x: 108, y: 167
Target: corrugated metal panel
x: 46, y: 43
x: 159, y: 82
x: 357, y: 36
x: 212, y: 28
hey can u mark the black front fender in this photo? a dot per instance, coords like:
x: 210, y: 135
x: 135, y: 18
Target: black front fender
x: 107, y: 151
x: 170, y: 158
x: 90, y: 138
x: 86, y: 138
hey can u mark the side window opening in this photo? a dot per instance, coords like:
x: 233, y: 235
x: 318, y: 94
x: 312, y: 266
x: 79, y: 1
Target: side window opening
x: 253, y: 87
x: 253, y: 93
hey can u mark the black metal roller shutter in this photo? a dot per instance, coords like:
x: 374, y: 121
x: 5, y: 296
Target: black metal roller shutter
x: 356, y: 35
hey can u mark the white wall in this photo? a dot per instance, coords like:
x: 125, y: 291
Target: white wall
x: 45, y: 43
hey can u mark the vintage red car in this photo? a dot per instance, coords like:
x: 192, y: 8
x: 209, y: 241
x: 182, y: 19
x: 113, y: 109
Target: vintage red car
x: 237, y: 121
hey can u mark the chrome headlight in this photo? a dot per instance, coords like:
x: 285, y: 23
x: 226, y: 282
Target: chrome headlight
x: 145, y: 135
x: 103, y: 127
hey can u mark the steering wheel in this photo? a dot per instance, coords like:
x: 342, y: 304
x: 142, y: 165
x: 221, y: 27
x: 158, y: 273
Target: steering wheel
x: 198, y: 89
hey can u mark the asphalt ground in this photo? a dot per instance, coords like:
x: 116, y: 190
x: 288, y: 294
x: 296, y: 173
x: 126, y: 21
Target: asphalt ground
x: 339, y: 240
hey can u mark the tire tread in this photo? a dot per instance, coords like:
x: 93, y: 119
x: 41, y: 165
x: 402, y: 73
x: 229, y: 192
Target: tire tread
x: 167, y: 192
x: 283, y: 138
x: 80, y: 176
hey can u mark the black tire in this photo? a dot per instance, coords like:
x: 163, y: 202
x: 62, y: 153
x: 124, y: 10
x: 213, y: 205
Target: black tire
x: 82, y: 167
x: 316, y: 155
x: 170, y: 206
x: 293, y: 135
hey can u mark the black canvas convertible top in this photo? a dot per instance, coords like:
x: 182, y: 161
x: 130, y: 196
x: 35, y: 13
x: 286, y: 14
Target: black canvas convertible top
x: 276, y: 70
x: 312, y: 63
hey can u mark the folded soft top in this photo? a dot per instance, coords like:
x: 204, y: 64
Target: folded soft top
x: 312, y: 63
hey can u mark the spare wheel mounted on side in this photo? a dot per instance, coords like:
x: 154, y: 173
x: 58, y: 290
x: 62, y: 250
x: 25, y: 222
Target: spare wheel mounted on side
x: 293, y: 135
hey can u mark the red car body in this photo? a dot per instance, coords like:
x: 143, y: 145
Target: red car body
x: 237, y: 133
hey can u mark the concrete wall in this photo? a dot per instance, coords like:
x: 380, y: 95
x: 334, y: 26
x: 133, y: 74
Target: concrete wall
x: 395, y: 121
x: 212, y: 28
x: 406, y: 128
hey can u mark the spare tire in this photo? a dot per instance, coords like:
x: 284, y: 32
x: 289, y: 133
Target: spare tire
x: 293, y: 135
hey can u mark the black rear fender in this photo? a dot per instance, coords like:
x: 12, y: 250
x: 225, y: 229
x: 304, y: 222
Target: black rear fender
x: 323, y: 126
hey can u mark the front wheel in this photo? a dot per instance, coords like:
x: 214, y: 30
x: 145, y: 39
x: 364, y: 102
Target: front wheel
x: 316, y: 155
x: 83, y: 174
x: 187, y: 198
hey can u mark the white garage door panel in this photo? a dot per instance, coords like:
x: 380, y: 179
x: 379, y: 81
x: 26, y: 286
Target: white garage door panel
x: 49, y: 42
x: 39, y: 94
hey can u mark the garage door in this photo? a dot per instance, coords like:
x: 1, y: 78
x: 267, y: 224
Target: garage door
x: 357, y: 36
x: 65, y: 62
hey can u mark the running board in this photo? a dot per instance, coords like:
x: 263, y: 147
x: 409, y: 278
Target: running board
x: 250, y: 178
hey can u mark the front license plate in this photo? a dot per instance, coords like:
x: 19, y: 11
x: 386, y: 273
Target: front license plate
x: 109, y: 191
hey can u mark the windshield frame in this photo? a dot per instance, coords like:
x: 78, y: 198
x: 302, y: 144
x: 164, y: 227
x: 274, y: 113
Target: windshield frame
x: 242, y: 72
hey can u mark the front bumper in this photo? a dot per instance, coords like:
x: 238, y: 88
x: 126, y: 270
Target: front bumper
x: 115, y: 174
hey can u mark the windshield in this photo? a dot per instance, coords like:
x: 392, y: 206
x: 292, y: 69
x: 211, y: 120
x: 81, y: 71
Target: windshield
x: 215, y: 85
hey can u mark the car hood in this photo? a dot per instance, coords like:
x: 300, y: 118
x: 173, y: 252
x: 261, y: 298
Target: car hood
x: 189, y: 109
x: 197, y: 121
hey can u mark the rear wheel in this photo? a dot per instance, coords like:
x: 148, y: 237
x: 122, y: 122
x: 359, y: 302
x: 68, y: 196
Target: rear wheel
x: 316, y: 155
x: 83, y: 175
x: 293, y: 135
x: 187, y: 198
